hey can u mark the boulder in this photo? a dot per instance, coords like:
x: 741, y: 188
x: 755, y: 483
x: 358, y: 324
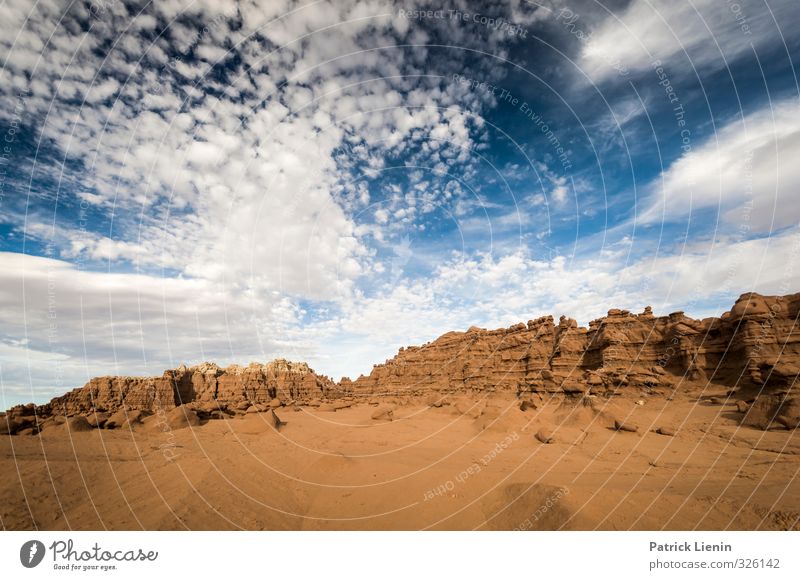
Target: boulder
x: 209, y: 407
x: 97, y: 420
x: 383, y: 413
x: 275, y: 403
x: 773, y: 412
x: 78, y: 424
x: 274, y: 421
x: 124, y: 419
x: 181, y: 417
x: 594, y: 380
x: 573, y: 388
x: 434, y: 400
x: 622, y: 426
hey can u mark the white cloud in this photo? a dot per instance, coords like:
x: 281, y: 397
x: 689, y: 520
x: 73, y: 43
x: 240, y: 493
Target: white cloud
x: 233, y: 180
x: 75, y: 324
x: 709, y: 32
x: 747, y: 172
x: 381, y: 216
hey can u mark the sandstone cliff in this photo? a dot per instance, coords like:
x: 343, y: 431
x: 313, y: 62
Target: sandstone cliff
x: 753, y: 349
x: 755, y: 345
x: 200, y: 384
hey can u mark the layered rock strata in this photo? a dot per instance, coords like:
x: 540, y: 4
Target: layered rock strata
x: 754, y: 350
x: 204, y: 385
x: 755, y: 345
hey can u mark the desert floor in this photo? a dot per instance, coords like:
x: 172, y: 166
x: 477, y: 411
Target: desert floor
x: 429, y: 468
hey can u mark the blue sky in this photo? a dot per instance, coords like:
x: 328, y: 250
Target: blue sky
x: 328, y: 181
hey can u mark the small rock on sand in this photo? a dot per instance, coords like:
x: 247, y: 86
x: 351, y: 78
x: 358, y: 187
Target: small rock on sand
x: 274, y: 420
x: 434, y: 400
x: 621, y: 426
x: 383, y: 413
x: 545, y: 436
x: 77, y: 424
x: 181, y: 417
x: 668, y: 431
x: 275, y: 403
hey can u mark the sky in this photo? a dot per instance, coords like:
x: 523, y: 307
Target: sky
x: 327, y: 181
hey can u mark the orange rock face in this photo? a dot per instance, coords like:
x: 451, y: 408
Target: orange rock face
x: 754, y: 348
x: 204, y: 383
x: 755, y: 345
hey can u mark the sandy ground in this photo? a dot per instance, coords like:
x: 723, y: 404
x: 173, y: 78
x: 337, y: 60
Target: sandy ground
x: 429, y: 468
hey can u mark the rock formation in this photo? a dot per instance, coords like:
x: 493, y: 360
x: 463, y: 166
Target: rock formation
x: 206, y: 386
x: 754, y: 346
x: 753, y: 349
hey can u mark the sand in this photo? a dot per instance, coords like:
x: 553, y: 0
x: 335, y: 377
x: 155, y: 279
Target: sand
x: 471, y: 464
